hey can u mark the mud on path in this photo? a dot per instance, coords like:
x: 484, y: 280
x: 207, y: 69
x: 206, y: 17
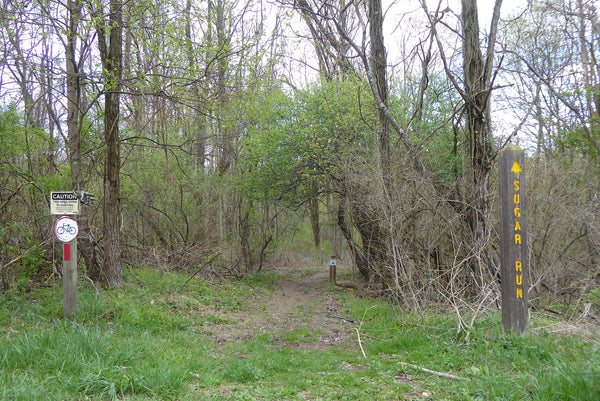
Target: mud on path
x: 300, y: 312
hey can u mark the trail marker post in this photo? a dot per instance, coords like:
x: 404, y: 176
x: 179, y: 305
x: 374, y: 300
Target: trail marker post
x: 66, y: 230
x: 67, y: 203
x: 514, y: 260
x: 332, y: 266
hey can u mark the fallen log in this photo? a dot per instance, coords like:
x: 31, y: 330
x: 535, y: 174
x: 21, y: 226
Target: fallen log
x: 346, y: 284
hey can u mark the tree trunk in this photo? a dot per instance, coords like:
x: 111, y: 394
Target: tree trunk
x: 477, y: 93
x: 589, y: 63
x: 313, y: 207
x: 224, y: 133
x: 359, y: 258
x: 375, y: 238
x: 196, y: 125
x: 336, y: 249
x: 541, y: 148
x: 378, y: 68
x: 111, y: 55
x: 85, y: 243
x: 245, y: 233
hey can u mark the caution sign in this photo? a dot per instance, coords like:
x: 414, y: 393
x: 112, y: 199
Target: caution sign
x: 514, y: 271
x: 64, y: 203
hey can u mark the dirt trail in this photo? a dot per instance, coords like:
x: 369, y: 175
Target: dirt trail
x: 300, y: 313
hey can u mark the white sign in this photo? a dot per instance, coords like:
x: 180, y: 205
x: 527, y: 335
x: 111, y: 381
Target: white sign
x: 66, y: 229
x: 64, y: 203
x: 332, y: 261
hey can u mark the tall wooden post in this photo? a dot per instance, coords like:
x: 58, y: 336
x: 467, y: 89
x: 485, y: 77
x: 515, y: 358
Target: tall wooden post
x: 514, y: 258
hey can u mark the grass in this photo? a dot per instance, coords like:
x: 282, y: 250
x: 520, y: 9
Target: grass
x: 152, y: 340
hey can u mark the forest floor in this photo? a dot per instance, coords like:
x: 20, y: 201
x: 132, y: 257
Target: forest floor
x: 284, y: 334
x: 301, y: 302
x: 303, y: 311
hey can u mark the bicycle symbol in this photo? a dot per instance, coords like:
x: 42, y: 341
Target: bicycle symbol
x: 66, y: 229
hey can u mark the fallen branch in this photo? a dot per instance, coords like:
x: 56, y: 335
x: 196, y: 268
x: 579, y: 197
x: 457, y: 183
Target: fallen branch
x: 358, y: 331
x: 433, y: 372
x: 198, y: 268
x: 93, y: 285
x: 343, y: 318
x: 346, y: 284
x: 360, y: 343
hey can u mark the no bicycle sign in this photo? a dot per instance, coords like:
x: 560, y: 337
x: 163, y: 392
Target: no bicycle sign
x: 66, y: 229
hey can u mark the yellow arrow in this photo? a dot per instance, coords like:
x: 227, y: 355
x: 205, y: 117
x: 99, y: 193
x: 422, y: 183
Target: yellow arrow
x: 516, y: 168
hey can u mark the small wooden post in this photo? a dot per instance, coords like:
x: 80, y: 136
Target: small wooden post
x: 332, y: 266
x: 69, y: 273
x: 514, y: 260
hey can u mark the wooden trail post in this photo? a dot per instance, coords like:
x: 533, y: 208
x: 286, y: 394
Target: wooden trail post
x: 332, y: 266
x: 514, y: 260
x: 66, y: 230
x: 69, y: 274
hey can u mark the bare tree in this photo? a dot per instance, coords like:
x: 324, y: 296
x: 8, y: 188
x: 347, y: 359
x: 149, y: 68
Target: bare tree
x: 378, y: 66
x: 476, y: 91
x: 478, y: 81
x: 196, y: 124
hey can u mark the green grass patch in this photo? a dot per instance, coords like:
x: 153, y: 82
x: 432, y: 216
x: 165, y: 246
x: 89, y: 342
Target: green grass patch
x: 151, y: 340
x: 497, y: 366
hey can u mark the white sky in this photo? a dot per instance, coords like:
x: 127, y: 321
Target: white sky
x: 486, y: 7
x: 406, y: 23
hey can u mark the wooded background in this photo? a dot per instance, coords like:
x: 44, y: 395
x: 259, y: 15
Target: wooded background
x: 210, y: 129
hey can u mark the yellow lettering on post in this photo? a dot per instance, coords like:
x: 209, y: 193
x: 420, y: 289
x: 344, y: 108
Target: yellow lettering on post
x: 517, y: 226
x: 517, y: 212
x: 518, y: 266
x: 519, y: 293
x: 517, y: 199
x: 517, y: 239
x: 517, y: 187
x: 519, y: 279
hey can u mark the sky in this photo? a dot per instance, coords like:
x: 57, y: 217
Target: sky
x: 485, y: 7
x: 405, y: 21
x: 402, y: 27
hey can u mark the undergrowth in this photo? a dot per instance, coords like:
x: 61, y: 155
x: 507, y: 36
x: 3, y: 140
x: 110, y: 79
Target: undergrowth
x: 154, y: 340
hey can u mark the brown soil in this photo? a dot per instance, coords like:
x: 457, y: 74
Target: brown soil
x: 300, y: 312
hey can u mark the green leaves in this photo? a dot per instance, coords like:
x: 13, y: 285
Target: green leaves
x: 295, y: 141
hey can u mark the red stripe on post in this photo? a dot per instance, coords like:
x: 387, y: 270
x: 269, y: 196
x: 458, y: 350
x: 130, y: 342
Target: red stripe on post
x: 67, y: 252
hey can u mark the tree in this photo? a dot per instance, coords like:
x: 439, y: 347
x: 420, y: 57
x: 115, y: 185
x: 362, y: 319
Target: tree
x: 332, y: 51
x: 111, y: 55
x: 378, y: 66
x: 75, y: 51
x: 476, y: 92
x: 196, y: 100
x: 551, y: 62
x: 478, y: 82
